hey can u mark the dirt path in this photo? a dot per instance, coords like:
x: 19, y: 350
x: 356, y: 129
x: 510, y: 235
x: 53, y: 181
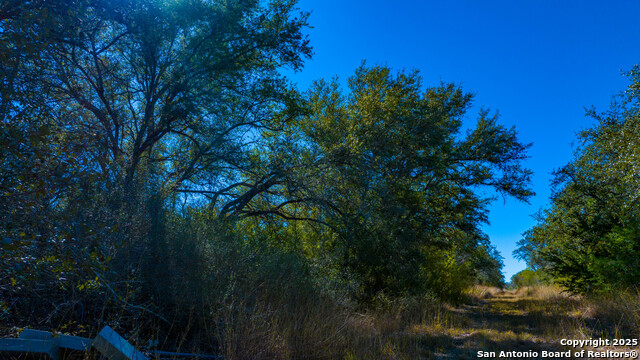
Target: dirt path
x: 506, y: 322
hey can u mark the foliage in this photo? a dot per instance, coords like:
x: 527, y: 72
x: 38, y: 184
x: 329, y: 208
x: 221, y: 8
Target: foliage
x: 114, y: 112
x: 159, y: 173
x: 398, y: 183
x: 528, y: 277
x: 588, y: 240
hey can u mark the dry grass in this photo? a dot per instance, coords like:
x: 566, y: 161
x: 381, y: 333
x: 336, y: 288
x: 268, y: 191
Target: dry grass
x: 493, y: 320
x: 483, y: 292
x: 544, y: 292
x: 615, y: 315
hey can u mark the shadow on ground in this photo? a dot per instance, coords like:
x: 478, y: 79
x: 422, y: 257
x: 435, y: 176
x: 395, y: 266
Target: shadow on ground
x: 503, y: 323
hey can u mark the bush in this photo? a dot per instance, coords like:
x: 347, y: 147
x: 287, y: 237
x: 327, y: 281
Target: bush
x: 528, y: 277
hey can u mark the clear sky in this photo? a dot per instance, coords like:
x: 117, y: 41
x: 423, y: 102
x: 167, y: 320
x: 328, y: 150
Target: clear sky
x: 539, y: 63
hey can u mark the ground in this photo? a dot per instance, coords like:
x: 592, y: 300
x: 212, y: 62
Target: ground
x: 530, y: 321
x: 490, y: 321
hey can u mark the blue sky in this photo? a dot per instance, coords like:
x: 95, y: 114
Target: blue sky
x: 539, y: 63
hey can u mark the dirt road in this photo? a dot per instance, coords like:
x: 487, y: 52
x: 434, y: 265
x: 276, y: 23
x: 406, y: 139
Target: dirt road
x: 510, y: 325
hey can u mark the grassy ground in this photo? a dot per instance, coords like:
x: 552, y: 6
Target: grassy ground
x: 526, y: 320
x: 491, y: 320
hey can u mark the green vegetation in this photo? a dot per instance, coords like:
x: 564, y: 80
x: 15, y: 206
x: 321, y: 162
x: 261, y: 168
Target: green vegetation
x: 160, y: 175
x: 401, y: 182
x: 588, y: 240
x: 528, y: 277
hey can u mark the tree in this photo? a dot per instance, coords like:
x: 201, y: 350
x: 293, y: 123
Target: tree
x: 528, y: 277
x: 168, y: 88
x: 399, y: 183
x: 588, y: 240
x: 113, y: 110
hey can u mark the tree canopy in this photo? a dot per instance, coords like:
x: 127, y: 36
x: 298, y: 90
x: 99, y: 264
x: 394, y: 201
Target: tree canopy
x: 170, y: 89
x: 154, y: 146
x: 113, y: 110
x: 400, y: 186
x: 588, y: 238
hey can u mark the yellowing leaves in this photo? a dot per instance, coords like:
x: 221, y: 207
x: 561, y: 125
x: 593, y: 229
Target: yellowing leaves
x: 88, y: 284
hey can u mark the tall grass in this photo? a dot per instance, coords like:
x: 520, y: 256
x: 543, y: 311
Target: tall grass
x: 256, y: 321
x: 615, y: 315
